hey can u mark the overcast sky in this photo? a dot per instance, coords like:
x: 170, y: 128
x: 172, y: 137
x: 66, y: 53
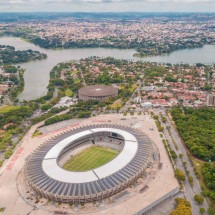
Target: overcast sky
x: 108, y: 5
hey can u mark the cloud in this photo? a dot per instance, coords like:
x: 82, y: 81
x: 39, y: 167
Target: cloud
x: 99, y: 1
x: 108, y: 5
x: 141, y: 0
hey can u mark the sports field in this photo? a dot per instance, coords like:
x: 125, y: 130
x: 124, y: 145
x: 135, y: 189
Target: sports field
x: 90, y: 158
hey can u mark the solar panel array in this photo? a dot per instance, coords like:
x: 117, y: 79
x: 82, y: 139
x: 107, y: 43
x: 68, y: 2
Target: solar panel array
x: 90, y: 191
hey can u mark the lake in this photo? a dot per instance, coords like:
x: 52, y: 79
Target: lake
x: 37, y: 72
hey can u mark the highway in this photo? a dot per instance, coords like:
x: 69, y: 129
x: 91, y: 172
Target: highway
x: 189, y: 191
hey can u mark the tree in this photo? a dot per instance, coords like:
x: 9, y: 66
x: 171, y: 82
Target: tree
x: 45, y: 107
x: 164, y: 120
x: 201, y: 210
x: 181, y: 156
x: 173, y: 154
x: 10, y: 69
x: 197, y: 127
x: 207, y: 87
x: 183, y: 207
x: 199, y: 199
x: 155, y: 117
x: 211, y: 211
x: 180, y: 175
x: 208, y: 171
x: 191, y: 181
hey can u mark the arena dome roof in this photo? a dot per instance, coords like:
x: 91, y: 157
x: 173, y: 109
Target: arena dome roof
x: 98, y: 90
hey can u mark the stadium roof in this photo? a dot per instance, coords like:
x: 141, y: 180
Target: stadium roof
x: 49, y: 180
x: 53, y: 170
x: 98, y: 90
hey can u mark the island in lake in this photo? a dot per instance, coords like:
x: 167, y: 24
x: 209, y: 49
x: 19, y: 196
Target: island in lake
x: 9, y: 55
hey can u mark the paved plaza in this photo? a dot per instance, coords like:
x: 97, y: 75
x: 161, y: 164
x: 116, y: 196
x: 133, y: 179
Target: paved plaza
x: 15, y: 197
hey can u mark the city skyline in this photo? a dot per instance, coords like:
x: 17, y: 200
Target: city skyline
x: 107, y: 6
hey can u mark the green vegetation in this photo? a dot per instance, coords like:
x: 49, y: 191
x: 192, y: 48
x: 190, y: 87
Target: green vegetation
x: 208, y: 194
x: 46, y: 107
x: 183, y: 207
x: 82, y: 109
x: 16, y: 90
x: 59, y: 118
x: 207, y: 87
x: 45, y: 116
x: 10, y: 69
x: 77, y: 81
x: 201, y: 210
x: 163, y: 119
x: 208, y: 172
x: 170, y: 79
x: 199, y: 199
x: 143, y: 47
x: 158, y: 123
x: 69, y: 86
x: 191, y: 181
x: 1, y: 162
x: 116, y: 105
x: 9, y: 55
x: 2, y: 209
x: 211, y: 211
x: 197, y: 129
x: 69, y: 92
x: 105, y: 78
x: 180, y: 175
x: 15, y: 80
x: 11, y: 118
x: 170, y: 134
x: 37, y: 133
x: 90, y: 158
x: 6, y: 109
x: 173, y: 154
x: 14, y: 115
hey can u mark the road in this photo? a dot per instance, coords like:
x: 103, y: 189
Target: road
x: 189, y: 191
x: 82, y: 76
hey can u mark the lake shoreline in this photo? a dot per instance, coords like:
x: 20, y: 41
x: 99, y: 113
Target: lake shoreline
x: 37, y: 73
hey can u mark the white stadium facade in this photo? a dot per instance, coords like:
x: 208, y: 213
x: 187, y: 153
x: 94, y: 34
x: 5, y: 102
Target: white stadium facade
x: 44, y: 172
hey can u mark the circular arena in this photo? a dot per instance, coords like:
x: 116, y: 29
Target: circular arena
x: 45, y: 173
x: 97, y: 92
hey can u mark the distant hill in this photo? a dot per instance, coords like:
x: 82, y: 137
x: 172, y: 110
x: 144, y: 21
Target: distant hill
x: 16, y: 17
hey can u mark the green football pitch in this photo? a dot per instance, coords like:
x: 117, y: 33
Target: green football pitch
x: 90, y: 158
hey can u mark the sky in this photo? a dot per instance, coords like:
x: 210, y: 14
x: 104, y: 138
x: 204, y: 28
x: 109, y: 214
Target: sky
x: 107, y: 5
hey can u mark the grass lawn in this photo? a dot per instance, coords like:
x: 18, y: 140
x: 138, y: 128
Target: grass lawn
x: 37, y: 133
x: 77, y: 80
x: 133, y: 88
x: 6, y: 109
x: 90, y: 158
x: 116, y: 104
x: 74, y: 72
x: 69, y: 92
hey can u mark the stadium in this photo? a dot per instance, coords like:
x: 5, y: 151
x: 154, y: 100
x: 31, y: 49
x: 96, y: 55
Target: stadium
x: 88, y: 163
x: 97, y: 92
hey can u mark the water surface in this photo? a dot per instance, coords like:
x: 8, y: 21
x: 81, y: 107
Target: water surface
x: 37, y: 72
